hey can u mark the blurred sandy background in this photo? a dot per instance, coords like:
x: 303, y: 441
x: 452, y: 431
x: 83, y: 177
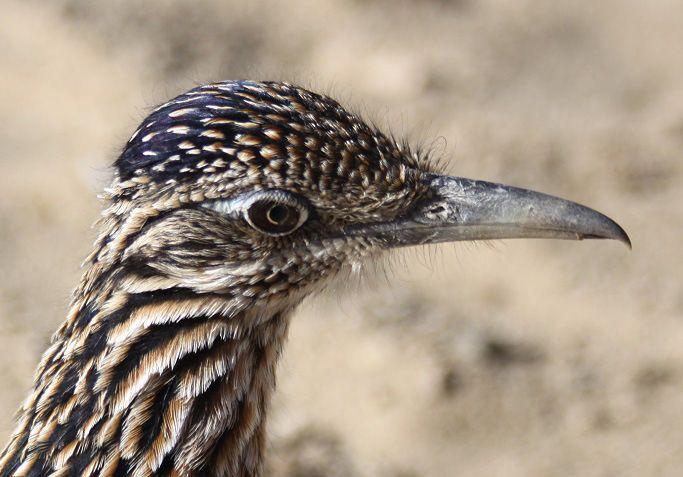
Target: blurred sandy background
x: 528, y: 358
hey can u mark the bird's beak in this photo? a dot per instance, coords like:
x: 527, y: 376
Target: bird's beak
x: 457, y: 209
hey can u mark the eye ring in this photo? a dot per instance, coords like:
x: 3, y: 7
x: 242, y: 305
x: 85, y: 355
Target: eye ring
x: 272, y: 212
x: 275, y: 213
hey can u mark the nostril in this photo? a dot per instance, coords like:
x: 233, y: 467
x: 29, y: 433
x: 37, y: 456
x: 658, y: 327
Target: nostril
x: 437, y: 210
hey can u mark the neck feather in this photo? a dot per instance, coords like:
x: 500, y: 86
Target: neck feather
x: 151, y: 383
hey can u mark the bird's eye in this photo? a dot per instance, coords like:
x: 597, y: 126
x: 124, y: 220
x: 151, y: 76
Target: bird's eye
x: 275, y: 214
x: 272, y: 217
x: 272, y: 212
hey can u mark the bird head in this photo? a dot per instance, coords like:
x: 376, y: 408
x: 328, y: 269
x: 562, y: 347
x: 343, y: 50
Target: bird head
x: 230, y: 204
x: 265, y: 190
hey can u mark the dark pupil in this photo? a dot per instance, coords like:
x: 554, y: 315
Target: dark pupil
x: 272, y: 217
x: 278, y: 214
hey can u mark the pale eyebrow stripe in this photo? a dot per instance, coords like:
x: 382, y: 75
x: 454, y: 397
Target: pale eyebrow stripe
x: 226, y: 206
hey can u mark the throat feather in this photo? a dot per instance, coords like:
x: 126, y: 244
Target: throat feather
x: 163, y: 383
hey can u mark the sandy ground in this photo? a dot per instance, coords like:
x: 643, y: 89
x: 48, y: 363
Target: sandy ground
x: 527, y: 358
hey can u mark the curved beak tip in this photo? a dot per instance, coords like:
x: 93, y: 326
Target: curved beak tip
x: 615, y: 232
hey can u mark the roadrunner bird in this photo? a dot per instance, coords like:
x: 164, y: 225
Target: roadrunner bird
x: 229, y: 205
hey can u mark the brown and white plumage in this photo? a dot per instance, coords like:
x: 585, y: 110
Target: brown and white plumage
x: 229, y: 205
